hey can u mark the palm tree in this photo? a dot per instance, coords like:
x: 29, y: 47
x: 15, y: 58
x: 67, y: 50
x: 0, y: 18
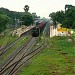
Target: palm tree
x: 67, y: 7
x: 26, y: 8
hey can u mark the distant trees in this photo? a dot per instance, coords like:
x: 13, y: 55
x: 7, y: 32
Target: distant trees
x: 11, y: 14
x: 34, y: 16
x: 3, y: 22
x: 70, y: 16
x: 27, y: 18
x: 66, y: 18
x: 53, y: 16
x: 67, y: 7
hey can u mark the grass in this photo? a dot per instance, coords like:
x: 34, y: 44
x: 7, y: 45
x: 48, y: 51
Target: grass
x: 7, y: 38
x: 57, y: 59
x: 12, y: 49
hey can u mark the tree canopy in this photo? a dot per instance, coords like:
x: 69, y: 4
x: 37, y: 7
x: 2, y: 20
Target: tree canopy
x: 66, y: 18
x: 26, y: 8
x: 3, y: 22
x: 53, y: 16
x: 27, y: 18
x: 11, y: 14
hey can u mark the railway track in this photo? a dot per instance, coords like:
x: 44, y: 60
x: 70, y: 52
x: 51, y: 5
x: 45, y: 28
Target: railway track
x: 22, y: 52
x: 13, y: 55
x: 8, y: 46
x: 24, y: 59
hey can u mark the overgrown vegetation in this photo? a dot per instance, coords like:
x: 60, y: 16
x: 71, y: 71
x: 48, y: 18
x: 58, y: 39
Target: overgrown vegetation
x: 7, y: 38
x: 12, y: 49
x: 17, y: 18
x: 4, y: 20
x: 27, y: 17
x: 12, y: 16
x: 57, y: 59
x: 66, y: 18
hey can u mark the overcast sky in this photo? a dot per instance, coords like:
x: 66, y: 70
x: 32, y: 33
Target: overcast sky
x: 42, y: 7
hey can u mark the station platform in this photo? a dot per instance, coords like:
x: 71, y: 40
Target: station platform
x: 20, y: 31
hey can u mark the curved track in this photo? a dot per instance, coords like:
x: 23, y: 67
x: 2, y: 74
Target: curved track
x: 23, y: 52
x: 8, y: 46
x: 13, y: 55
x: 24, y: 59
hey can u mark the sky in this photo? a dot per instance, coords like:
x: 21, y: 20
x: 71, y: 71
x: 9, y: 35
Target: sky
x: 42, y: 7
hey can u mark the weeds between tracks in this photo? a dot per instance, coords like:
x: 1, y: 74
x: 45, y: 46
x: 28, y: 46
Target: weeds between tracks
x: 7, y: 64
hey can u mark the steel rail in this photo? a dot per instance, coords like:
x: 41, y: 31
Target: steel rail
x: 4, y: 68
x: 31, y: 54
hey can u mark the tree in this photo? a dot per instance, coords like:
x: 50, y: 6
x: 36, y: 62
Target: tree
x: 69, y: 16
x: 11, y: 14
x: 67, y: 7
x: 34, y: 16
x: 60, y: 16
x: 27, y: 18
x: 73, y: 24
x: 53, y: 16
x: 66, y: 18
x: 3, y: 22
x: 26, y: 8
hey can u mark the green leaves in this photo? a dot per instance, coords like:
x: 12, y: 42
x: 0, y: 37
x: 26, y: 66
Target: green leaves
x: 26, y: 8
x: 27, y: 19
x: 66, y: 18
x: 3, y: 22
x: 53, y: 16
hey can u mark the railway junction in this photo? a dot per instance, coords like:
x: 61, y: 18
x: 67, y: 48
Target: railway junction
x: 23, y: 53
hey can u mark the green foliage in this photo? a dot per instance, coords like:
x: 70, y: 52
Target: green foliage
x: 27, y: 19
x: 3, y: 22
x: 66, y: 18
x: 60, y: 16
x: 53, y: 16
x: 11, y: 14
x: 74, y: 24
x: 12, y: 49
x: 56, y: 59
x: 34, y: 16
x: 68, y: 7
x: 26, y: 8
x: 70, y: 16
